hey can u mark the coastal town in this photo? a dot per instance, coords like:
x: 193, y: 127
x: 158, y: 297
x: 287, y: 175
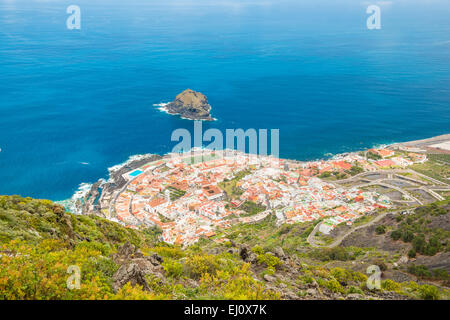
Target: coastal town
x: 192, y: 195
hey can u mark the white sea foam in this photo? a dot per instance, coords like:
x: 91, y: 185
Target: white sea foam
x: 71, y: 204
x: 162, y: 106
x: 83, y: 189
x: 381, y: 146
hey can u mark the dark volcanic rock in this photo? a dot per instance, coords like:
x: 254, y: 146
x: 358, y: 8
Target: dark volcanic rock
x: 131, y: 273
x: 134, y: 266
x: 269, y: 278
x: 247, y: 254
x: 278, y: 251
x: 191, y: 105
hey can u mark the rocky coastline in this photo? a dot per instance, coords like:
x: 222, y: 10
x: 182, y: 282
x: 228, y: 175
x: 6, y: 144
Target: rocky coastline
x: 100, y: 194
x: 190, y: 105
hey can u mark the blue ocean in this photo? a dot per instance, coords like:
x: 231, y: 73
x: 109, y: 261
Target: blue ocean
x: 75, y: 102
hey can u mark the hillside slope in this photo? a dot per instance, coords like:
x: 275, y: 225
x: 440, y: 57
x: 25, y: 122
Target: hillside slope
x: 42, y: 245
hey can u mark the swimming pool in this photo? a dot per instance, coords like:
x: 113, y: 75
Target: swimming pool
x: 135, y: 173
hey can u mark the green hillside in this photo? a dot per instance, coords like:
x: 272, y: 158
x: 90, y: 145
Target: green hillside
x: 40, y: 244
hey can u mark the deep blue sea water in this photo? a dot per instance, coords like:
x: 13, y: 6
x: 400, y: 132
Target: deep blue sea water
x: 75, y: 102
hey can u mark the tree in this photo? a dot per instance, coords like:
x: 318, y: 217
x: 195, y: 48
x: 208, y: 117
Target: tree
x: 421, y: 271
x: 430, y: 250
x: 356, y: 170
x: 428, y: 292
x: 419, y: 244
x: 396, y: 234
x: 325, y: 174
x: 381, y: 229
x: 373, y: 156
x: 407, y: 236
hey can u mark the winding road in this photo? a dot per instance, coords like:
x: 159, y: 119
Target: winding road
x: 382, y: 181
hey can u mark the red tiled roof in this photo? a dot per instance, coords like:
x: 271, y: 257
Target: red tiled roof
x: 343, y: 165
x: 385, y: 163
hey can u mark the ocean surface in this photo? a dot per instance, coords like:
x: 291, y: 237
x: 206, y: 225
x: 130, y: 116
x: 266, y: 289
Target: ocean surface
x: 75, y: 102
